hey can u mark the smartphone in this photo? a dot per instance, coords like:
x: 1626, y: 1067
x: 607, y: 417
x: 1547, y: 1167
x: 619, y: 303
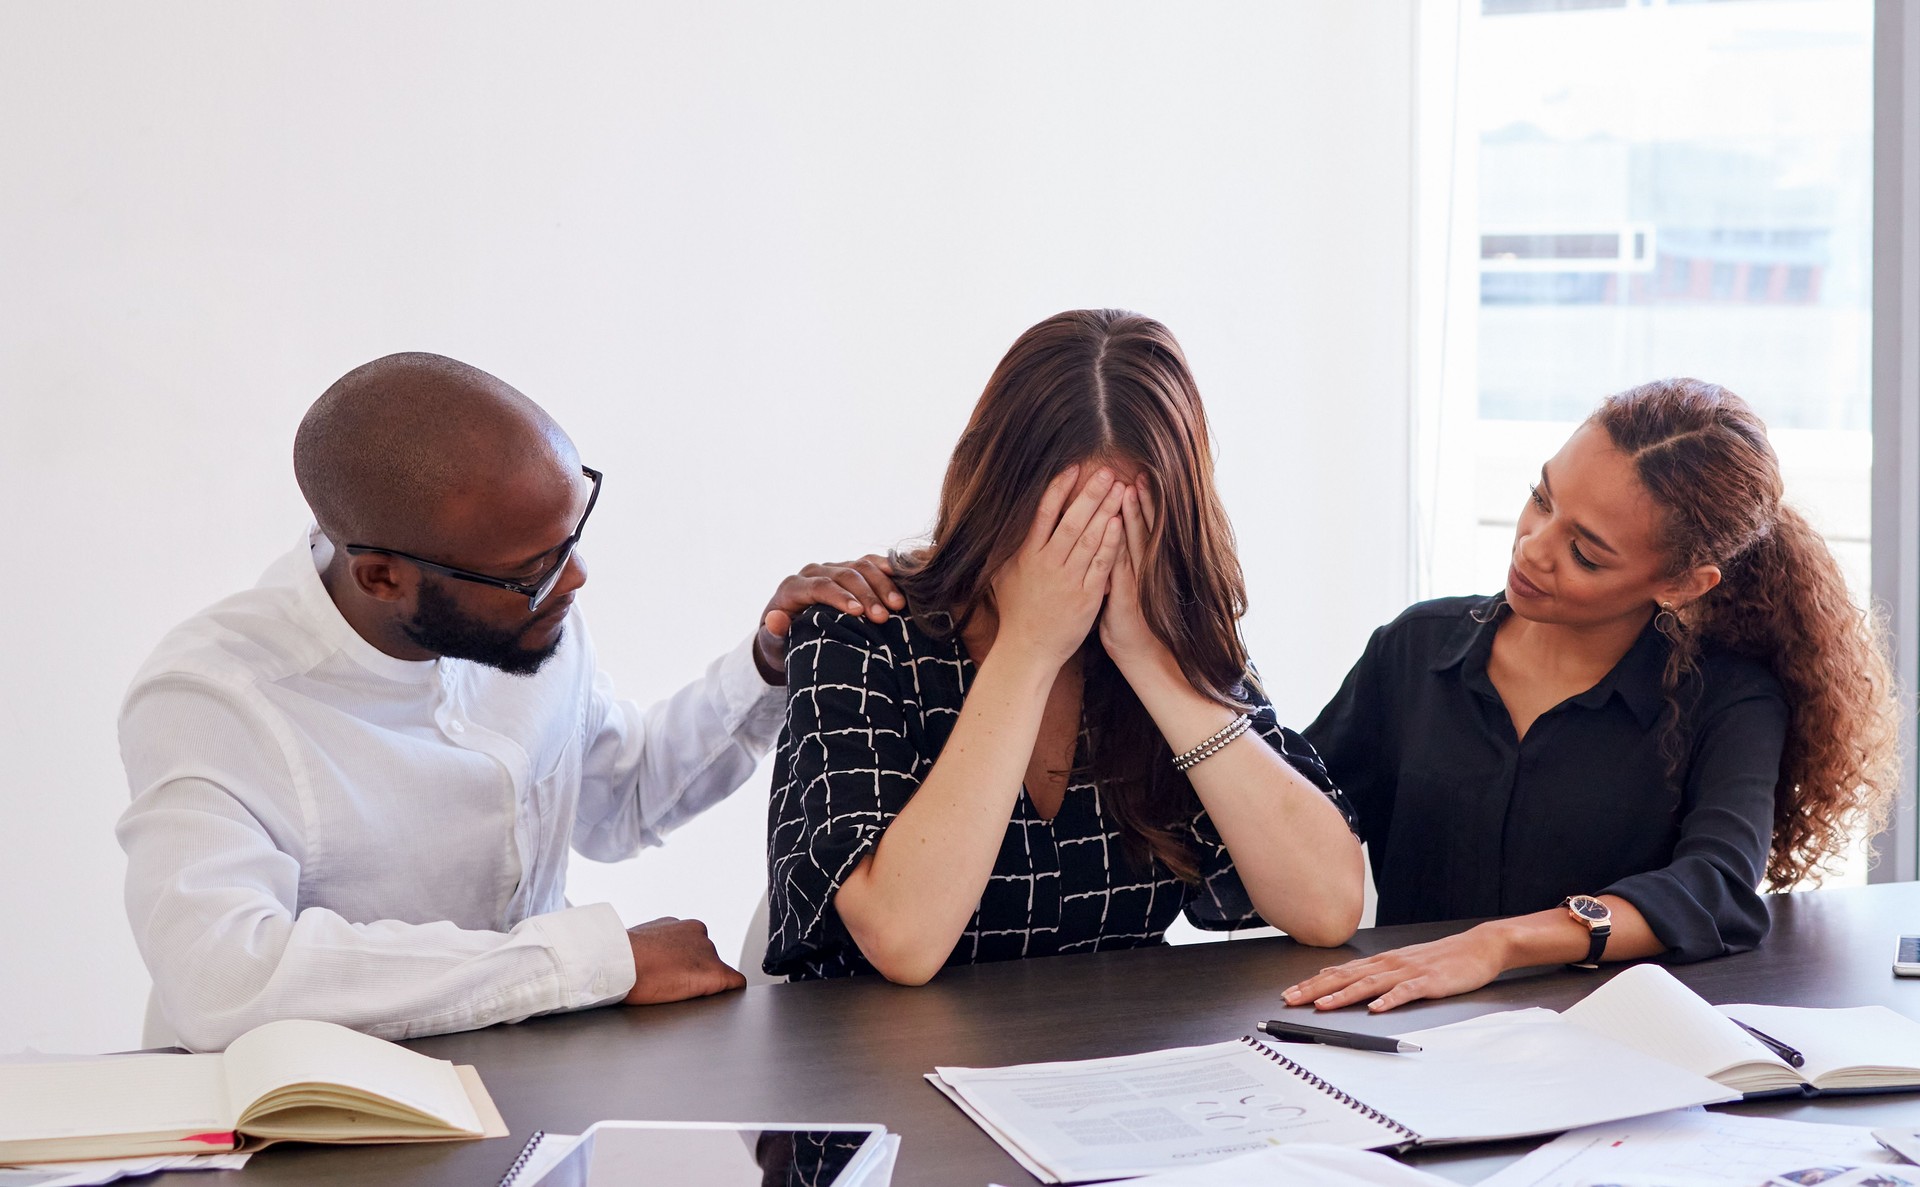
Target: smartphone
x: 1906, y: 960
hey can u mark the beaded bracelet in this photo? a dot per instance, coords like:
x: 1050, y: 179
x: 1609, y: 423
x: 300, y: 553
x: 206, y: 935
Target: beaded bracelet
x: 1213, y: 745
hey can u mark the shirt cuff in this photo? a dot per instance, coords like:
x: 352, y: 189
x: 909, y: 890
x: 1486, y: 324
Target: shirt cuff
x: 590, y: 951
x: 752, y: 706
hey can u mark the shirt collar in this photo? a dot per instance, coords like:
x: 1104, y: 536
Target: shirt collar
x: 1636, y: 678
x: 324, y: 618
x: 1474, y: 632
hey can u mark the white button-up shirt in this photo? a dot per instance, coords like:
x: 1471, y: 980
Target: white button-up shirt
x: 320, y: 830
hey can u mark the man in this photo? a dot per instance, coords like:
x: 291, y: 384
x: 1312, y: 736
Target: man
x: 355, y: 785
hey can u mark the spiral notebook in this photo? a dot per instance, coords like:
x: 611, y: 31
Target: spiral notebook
x: 1516, y: 1074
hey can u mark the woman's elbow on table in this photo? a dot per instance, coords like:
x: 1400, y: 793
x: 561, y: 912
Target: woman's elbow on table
x: 1320, y: 925
x: 1330, y: 932
x: 1321, y: 909
x: 901, y: 948
x: 900, y: 954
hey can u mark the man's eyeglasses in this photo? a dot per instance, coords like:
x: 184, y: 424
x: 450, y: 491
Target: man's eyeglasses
x: 535, y: 589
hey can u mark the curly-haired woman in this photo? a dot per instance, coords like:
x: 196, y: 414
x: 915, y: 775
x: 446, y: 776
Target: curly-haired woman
x: 1672, y: 700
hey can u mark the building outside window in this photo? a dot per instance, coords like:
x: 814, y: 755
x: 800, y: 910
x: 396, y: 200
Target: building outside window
x: 1661, y: 188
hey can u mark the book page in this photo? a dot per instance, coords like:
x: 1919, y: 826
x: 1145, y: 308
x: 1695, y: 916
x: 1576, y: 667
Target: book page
x: 1647, y: 1008
x: 1507, y: 1075
x: 1860, y: 1047
x: 133, y: 1094
x: 1106, y: 1118
x: 279, y: 1058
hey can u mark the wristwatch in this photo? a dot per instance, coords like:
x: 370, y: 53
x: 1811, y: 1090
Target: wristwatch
x: 1592, y: 914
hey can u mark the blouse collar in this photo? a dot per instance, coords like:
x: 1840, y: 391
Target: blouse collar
x: 1636, y: 679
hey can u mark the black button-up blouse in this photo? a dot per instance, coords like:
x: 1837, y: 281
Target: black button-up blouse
x: 1465, y: 820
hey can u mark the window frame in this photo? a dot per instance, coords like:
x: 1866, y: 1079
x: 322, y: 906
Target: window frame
x: 1896, y: 393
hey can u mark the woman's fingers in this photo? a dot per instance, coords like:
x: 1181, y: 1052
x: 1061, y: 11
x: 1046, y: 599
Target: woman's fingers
x: 1100, y: 568
x: 1052, y: 501
x: 1134, y: 513
x: 1439, y: 968
x: 1080, y: 513
x: 1411, y: 989
x: 1093, y: 534
x: 1341, y: 987
x: 1327, y: 981
x: 1124, y: 571
x: 1357, y: 990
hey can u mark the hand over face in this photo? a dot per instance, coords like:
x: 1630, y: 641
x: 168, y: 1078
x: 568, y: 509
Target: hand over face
x: 674, y: 960
x: 1442, y: 968
x: 864, y: 587
x: 1124, y: 630
x: 1048, y: 595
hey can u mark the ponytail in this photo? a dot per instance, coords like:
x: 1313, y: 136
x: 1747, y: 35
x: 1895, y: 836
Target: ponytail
x: 1782, y: 600
x: 1785, y: 603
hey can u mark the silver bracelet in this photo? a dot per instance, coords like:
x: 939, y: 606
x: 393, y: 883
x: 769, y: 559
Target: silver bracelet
x: 1213, y: 745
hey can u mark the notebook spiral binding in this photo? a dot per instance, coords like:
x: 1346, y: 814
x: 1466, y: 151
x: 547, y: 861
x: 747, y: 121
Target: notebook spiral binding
x: 520, y: 1163
x: 1360, y: 1107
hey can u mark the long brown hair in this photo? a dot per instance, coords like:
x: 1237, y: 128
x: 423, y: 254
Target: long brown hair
x: 1084, y: 386
x: 1703, y: 455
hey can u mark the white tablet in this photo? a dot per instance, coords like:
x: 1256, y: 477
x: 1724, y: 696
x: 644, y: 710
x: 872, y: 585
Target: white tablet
x: 714, y: 1154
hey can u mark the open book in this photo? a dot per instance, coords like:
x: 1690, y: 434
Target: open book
x: 1863, y: 1049
x: 1505, y: 1075
x: 285, y: 1081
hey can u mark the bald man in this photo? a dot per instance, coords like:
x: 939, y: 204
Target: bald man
x: 355, y: 785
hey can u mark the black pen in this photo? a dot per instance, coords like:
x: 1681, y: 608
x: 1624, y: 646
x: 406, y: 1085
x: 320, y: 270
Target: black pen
x: 1298, y: 1032
x: 1793, y: 1058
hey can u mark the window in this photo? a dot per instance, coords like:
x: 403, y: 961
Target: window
x: 1660, y: 188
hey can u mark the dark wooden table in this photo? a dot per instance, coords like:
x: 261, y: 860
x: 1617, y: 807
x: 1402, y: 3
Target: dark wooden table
x: 856, y: 1050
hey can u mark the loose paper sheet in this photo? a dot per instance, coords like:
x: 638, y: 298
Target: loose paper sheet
x: 1691, y: 1147
x: 1322, y: 1166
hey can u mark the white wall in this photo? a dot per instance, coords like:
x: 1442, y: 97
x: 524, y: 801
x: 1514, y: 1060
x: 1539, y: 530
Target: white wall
x: 758, y: 258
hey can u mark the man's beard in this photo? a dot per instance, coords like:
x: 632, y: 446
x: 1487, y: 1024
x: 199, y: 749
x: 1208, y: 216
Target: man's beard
x: 440, y: 626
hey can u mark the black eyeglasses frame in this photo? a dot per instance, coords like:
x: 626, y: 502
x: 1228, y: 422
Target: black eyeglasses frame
x: 535, y: 591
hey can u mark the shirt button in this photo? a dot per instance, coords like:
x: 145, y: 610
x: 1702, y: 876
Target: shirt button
x: 456, y: 727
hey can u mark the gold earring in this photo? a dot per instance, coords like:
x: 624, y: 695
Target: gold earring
x: 1667, y: 622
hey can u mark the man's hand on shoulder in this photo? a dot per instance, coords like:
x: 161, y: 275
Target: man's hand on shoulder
x: 674, y: 960
x: 864, y: 587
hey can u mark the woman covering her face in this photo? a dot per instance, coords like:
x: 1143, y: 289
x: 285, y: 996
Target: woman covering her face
x: 1672, y: 700
x: 1061, y: 744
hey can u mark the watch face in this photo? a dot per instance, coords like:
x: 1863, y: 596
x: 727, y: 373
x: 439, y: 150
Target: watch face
x: 1588, y: 908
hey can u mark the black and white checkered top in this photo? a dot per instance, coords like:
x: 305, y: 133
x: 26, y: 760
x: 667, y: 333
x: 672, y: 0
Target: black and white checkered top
x: 869, y: 708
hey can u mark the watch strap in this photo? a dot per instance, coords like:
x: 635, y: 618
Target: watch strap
x: 1596, y: 944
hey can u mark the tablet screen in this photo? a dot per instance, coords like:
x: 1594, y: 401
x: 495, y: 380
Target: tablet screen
x: 718, y: 1156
